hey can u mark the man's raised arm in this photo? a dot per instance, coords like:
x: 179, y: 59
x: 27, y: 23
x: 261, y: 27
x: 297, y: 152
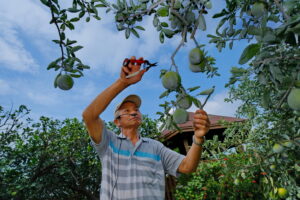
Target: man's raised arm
x: 91, y: 114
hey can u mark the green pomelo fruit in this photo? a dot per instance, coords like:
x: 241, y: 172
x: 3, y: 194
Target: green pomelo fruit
x: 293, y: 99
x: 282, y: 192
x: 258, y: 9
x: 196, y: 56
x: 184, y: 102
x: 277, y: 148
x: 288, y: 144
x: 180, y: 116
x: 236, y: 181
x: 272, y: 167
x: 171, y: 80
x: 297, y: 84
x: 65, y: 82
x: 198, y: 67
x: 208, y: 5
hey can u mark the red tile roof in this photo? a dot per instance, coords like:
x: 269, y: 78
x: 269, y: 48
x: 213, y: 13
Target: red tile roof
x: 188, y: 126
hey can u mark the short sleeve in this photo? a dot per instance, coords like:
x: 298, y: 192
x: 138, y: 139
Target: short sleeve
x: 103, y: 145
x: 171, y: 160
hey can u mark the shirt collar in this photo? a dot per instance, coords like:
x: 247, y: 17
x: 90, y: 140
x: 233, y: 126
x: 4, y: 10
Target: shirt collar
x: 122, y: 136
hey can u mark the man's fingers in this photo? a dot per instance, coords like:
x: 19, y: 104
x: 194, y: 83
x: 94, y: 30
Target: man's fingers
x: 125, y: 70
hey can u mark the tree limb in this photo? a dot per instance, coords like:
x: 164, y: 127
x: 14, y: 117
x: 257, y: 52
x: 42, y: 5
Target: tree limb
x: 279, y: 5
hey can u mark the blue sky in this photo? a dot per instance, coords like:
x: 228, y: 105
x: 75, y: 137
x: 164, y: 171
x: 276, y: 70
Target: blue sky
x: 26, y: 50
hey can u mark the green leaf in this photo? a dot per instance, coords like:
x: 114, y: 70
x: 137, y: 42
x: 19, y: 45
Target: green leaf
x: 51, y: 65
x: 202, y: 23
x: 97, y: 17
x: 161, y: 37
x: 56, y: 41
x: 135, y: 33
x: 196, y: 102
x: 45, y: 2
x: 76, y: 75
x: 139, y: 27
x: 75, y: 19
x: 168, y: 32
x: 163, y: 11
x: 70, y: 42
x: 73, y: 10
x: 155, y: 21
x: 76, y: 48
x: 127, y: 33
x: 249, y: 52
x: 220, y: 25
x: 165, y: 93
x: 193, y: 88
x: 164, y: 24
x: 87, y: 19
x: 222, y: 13
x: 207, y: 92
x: 81, y: 14
x: 100, y: 5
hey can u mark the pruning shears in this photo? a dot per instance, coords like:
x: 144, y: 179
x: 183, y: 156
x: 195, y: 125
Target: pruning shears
x: 146, y: 65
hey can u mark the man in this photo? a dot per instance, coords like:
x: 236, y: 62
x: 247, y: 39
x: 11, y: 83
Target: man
x: 134, y: 167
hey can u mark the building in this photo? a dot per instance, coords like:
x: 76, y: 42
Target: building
x: 183, y: 141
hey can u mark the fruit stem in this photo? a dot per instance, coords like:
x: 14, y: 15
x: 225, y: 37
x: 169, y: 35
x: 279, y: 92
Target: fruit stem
x: 59, y: 32
x: 202, y: 106
x: 196, y: 42
x: 177, y: 49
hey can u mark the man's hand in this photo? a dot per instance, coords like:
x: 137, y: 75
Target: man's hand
x: 201, y: 124
x: 130, y: 69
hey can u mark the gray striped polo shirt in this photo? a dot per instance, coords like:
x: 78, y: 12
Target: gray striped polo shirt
x: 134, y: 172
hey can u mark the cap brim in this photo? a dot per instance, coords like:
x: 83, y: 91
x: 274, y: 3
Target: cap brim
x: 130, y: 98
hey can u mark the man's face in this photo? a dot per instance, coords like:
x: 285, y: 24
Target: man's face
x: 130, y: 116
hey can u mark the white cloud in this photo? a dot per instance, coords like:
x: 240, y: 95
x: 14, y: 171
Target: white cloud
x: 216, y: 105
x: 106, y: 48
x: 13, y: 54
x: 49, y: 99
x: 23, y: 24
x: 30, y: 16
x: 5, y: 88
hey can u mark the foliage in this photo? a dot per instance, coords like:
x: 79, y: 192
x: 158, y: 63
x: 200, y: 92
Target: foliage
x: 50, y: 159
x: 272, y: 27
x: 217, y: 179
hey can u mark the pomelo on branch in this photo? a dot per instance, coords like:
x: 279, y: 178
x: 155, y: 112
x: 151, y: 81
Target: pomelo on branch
x: 272, y: 167
x: 180, y: 116
x: 293, y: 99
x: 196, y: 56
x: 258, y: 9
x: 282, y: 193
x: 65, y: 82
x: 198, y: 67
x: 288, y: 144
x: 171, y: 80
x: 184, y: 102
x: 277, y: 148
x: 297, y: 83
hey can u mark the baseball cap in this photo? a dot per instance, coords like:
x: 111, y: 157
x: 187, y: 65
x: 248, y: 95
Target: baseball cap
x: 131, y: 98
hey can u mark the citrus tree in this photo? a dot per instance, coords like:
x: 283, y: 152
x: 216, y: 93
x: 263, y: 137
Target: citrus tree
x: 267, y: 84
x: 50, y: 159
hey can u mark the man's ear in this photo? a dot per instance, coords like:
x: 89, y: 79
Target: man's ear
x: 117, y: 123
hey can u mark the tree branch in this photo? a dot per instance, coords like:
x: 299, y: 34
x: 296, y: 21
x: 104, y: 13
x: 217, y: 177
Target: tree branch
x: 59, y: 32
x: 279, y: 5
x: 179, y: 46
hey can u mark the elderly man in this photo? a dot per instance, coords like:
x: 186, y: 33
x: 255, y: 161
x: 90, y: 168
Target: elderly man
x: 134, y: 167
